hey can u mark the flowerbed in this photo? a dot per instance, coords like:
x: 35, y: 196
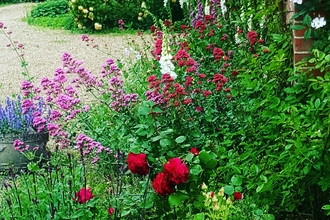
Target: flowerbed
x: 215, y: 119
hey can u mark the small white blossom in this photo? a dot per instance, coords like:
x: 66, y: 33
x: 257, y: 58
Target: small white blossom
x: 182, y: 2
x: 165, y: 3
x: 166, y: 66
x: 223, y: 7
x: 143, y: 5
x: 207, y: 10
x: 299, y: 2
x: 318, y: 22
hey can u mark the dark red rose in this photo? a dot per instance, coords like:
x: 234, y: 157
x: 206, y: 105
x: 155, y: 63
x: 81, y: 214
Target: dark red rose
x: 84, y: 195
x: 238, y: 196
x: 161, y: 185
x: 176, y: 171
x: 137, y: 163
x: 111, y: 211
x: 194, y: 151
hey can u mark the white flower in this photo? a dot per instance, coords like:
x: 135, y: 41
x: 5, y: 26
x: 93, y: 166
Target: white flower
x: 143, y: 5
x: 207, y: 10
x: 318, y: 22
x: 223, y: 7
x: 166, y: 66
x: 182, y: 2
x: 165, y: 3
x: 299, y: 2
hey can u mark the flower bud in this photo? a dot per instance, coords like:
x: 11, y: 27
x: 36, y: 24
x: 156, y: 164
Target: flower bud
x: 204, y: 186
x: 216, y: 207
x: 229, y: 202
x: 80, y: 7
x: 221, y: 192
x: 91, y: 9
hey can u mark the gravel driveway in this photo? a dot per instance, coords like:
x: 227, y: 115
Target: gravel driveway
x: 43, y: 49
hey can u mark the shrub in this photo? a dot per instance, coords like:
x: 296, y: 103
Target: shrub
x: 50, y: 9
x: 105, y: 14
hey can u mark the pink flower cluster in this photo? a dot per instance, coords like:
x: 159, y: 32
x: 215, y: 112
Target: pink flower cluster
x: 88, y: 145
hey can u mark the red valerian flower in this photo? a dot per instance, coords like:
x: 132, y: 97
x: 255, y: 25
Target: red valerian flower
x: 83, y: 195
x: 194, y: 151
x: 176, y: 171
x: 238, y: 196
x: 137, y: 163
x: 186, y: 101
x: 161, y: 185
x: 252, y: 36
x: 111, y: 211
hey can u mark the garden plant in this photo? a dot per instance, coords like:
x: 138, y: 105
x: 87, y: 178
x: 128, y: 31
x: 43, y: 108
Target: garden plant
x: 210, y: 121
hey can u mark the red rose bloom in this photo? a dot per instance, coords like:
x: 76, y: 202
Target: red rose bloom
x: 111, y: 211
x: 84, y: 195
x: 194, y: 151
x: 137, y: 163
x: 238, y: 196
x: 161, y: 185
x: 176, y: 171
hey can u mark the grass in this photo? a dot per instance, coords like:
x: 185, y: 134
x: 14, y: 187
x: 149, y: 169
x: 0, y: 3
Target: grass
x: 59, y: 22
x: 66, y: 22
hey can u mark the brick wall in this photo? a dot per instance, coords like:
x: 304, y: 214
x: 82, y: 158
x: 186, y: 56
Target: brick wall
x: 301, y: 46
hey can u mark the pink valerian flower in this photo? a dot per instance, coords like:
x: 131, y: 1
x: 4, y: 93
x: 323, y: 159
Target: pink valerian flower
x: 110, y: 68
x: 121, y: 24
x: 95, y: 159
x: 27, y: 104
x: 87, y: 145
x: 19, y: 146
x: 26, y: 87
x: 39, y: 123
x: 55, y: 115
x: 86, y: 108
x: 66, y: 102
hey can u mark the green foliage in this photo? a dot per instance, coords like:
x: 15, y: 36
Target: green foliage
x: 97, y: 15
x: 50, y: 9
x: 59, y: 22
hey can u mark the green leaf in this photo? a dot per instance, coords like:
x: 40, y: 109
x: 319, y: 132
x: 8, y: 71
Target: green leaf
x: 326, y: 207
x: 33, y: 167
x: 165, y: 142
x: 236, y: 180
x: 259, y: 188
x: 298, y: 27
x: 144, y: 110
x: 176, y: 198
x: 229, y: 190
x: 308, y: 33
x: 307, y: 20
x: 196, y: 169
x: 211, y: 163
x: 189, y: 157
x: 204, y: 156
x: 317, y: 103
x: 180, y: 139
x: 199, y: 216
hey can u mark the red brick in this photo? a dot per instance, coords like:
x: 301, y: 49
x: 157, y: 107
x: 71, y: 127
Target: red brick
x: 300, y: 44
x: 299, y: 57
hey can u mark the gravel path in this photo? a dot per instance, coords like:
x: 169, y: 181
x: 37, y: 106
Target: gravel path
x: 43, y: 49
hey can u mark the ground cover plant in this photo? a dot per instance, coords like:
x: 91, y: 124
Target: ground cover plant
x: 210, y: 122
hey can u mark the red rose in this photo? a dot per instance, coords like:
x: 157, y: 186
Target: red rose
x: 176, y: 171
x: 161, y: 185
x: 194, y: 151
x: 84, y: 195
x: 137, y: 163
x: 111, y: 211
x: 238, y: 196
